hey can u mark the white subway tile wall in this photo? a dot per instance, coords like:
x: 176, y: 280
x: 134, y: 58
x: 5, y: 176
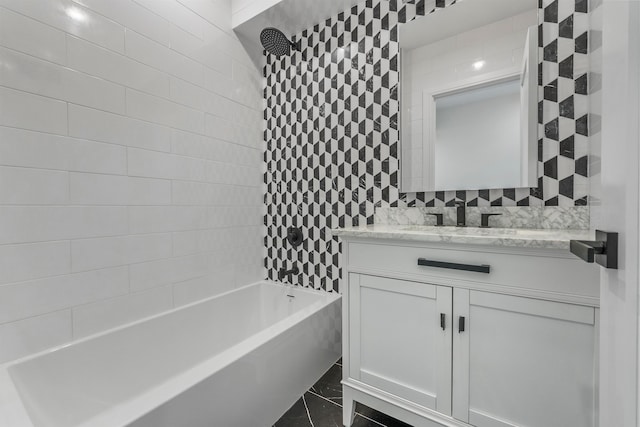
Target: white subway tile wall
x: 130, y: 164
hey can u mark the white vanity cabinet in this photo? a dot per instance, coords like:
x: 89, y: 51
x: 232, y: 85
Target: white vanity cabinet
x: 433, y: 346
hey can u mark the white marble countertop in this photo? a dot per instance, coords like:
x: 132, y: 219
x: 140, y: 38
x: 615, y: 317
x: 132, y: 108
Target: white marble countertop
x: 506, y: 237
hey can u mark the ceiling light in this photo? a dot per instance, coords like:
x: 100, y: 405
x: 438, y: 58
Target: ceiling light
x: 478, y: 65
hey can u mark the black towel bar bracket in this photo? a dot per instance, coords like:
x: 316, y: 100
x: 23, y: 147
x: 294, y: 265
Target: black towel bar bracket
x: 603, y: 250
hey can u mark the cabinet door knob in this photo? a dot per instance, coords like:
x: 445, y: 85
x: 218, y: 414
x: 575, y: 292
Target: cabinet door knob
x: 461, y: 324
x: 442, y: 321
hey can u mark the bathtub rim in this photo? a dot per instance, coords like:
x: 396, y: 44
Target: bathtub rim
x: 13, y: 410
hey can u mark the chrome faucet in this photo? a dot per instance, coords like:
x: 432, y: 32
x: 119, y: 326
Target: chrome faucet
x: 461, y: 218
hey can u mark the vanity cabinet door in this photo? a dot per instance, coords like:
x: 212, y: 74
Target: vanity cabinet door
x: 400, y: 338
x: 523, y: 362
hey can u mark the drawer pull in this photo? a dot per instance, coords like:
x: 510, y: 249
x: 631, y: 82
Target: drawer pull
x: 442, y: 321
x: 455, y: 266
x: 461, y: 324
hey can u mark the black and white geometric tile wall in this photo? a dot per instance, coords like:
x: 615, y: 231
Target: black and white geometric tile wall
x: 332, y: 142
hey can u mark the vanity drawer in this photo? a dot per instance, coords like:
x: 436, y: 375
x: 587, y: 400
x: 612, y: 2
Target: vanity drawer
x: 535, y: 270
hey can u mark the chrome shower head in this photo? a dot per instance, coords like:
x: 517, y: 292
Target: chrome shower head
x: 275, y: 42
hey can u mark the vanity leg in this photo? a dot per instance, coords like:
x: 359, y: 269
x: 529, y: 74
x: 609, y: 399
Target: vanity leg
x: 348, y: 407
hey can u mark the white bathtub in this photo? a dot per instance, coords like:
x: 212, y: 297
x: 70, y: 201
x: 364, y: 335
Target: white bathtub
x: 239, y: 359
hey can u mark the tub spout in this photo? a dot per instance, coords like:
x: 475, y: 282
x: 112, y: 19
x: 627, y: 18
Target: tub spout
x: 284, y: 272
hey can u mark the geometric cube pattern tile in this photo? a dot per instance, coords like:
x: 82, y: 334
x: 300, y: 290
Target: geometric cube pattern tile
x: 331, y: 130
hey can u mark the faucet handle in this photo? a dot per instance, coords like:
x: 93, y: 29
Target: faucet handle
x: 484, y: 219
x: 439, y: 218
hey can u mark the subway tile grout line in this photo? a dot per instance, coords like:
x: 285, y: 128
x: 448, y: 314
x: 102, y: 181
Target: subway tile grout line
x: 231, y: 34
x: 160, y: 125
x: 124, y: 54
x: 71, y: 239
x: 128, y: 266
x: 147, y: 177
x: 125, y: 114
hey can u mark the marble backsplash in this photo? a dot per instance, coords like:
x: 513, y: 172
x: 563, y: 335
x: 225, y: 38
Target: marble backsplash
x: 538, y: 217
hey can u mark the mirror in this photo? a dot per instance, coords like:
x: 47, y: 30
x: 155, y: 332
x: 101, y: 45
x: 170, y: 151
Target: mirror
x: 469, y: 97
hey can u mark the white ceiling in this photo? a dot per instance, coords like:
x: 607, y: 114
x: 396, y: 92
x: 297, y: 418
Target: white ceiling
x: 290, y: 16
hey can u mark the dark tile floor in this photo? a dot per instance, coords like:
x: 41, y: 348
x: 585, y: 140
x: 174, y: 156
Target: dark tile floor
x: 321, y: 406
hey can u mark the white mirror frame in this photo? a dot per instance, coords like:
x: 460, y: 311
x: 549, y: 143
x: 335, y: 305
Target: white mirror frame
x: 529, y: 110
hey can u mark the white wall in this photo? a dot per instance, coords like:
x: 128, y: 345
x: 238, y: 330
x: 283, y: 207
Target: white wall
x: 130, y: 164
x: 615, y: 185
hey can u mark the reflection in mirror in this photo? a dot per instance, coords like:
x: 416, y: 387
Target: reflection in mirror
x: 469, y: 97
x: 491, y: 114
